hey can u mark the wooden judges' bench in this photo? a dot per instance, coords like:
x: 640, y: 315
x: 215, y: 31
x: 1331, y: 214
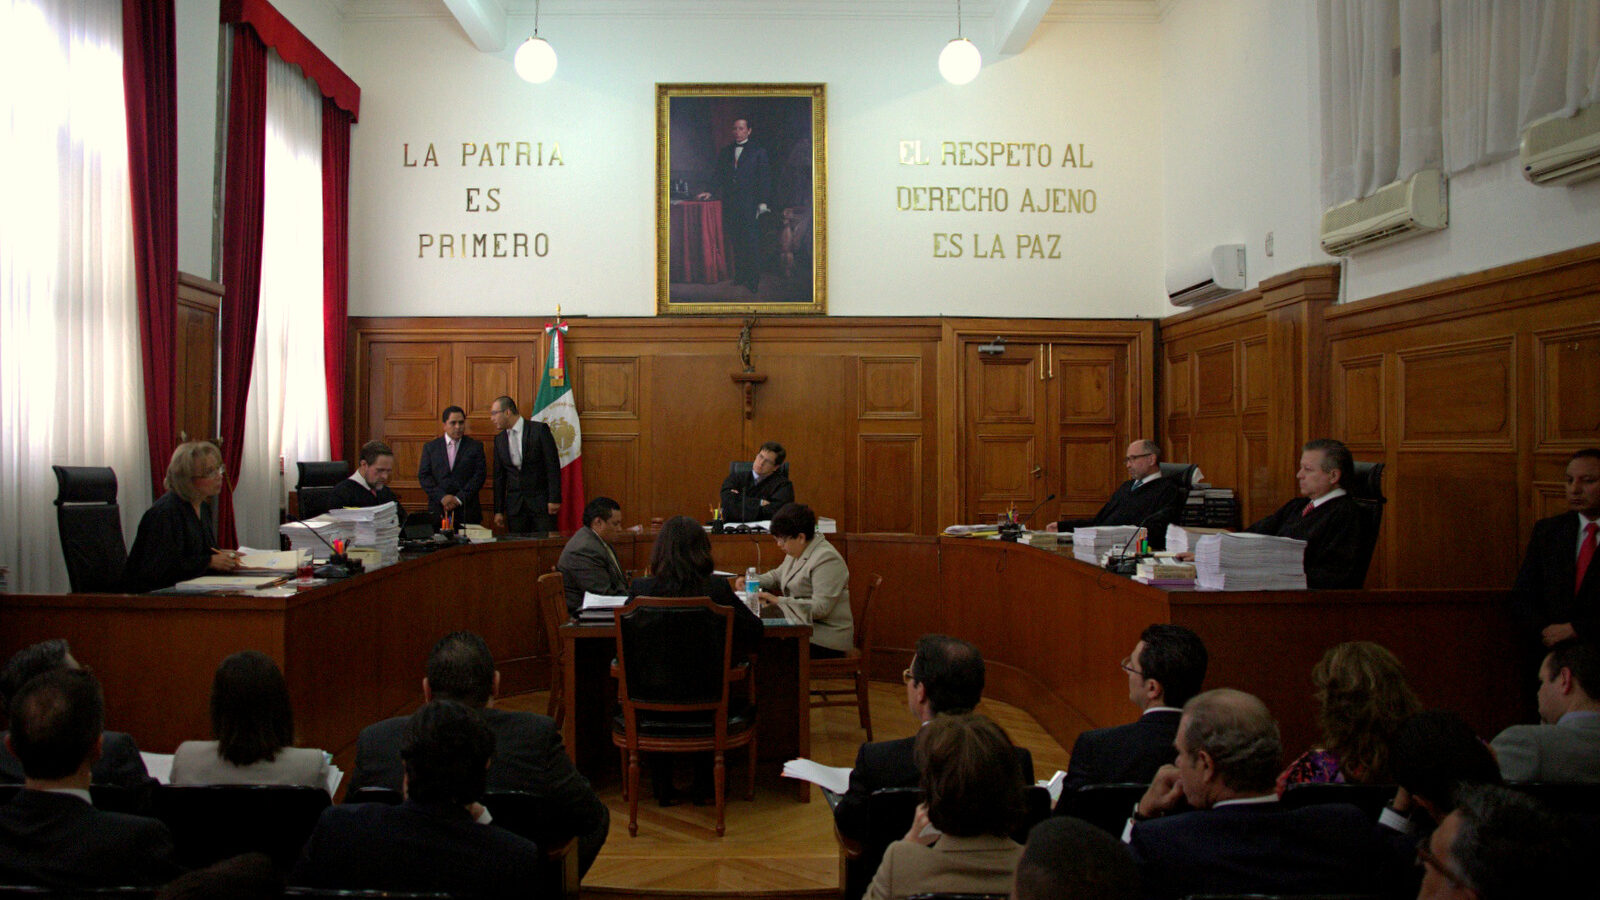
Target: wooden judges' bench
x: 1051, y: 629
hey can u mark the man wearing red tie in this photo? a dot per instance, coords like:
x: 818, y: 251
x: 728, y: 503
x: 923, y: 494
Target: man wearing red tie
x: 368, y: 485
x: 1557, y: 594
x: 452, y: 471
x: 1324, y: 516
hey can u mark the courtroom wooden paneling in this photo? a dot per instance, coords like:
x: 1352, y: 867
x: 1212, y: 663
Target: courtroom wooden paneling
x: 194, y: 366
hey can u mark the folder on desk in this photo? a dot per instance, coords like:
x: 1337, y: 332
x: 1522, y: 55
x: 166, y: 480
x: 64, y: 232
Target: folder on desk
x: 599, y: 607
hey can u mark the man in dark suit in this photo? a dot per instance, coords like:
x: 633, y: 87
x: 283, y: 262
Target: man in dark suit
x: 50, y: 833
x: 438, y: 840
x: 1325, y: 517
x: 1147, y: 498
x: 119, y: 762
x: 527, y: 471
x: 1165, y: 669
x: 452, y: 471
x: 1552, y: 603
x: 743, y: 184
x: 528, y: 755
x: 755, y: 495
x: 368, y: 485
x: 1237, y: 839
x: 946, y: 676
x: 587, y: 563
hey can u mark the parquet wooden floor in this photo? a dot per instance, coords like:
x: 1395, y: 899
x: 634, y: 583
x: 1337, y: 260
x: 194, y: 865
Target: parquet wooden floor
x: 775, y: 847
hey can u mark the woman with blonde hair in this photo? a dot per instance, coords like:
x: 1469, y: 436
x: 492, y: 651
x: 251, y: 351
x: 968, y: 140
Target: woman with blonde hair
x: 1363, y: 697
x: 175, y: 541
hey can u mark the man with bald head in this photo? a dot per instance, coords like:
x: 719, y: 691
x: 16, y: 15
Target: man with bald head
x: 1235, y: 838
x: 1147, y: 498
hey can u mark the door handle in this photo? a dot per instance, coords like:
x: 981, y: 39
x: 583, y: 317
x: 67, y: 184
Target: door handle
x: 1038, y: 471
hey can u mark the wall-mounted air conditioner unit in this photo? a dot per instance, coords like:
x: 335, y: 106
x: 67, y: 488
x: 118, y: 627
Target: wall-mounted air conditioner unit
x: 1562, y: 151
x: 1395, y: 211
x: 1203, y: 280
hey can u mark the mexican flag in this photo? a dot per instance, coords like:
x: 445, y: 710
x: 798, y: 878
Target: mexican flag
x: 554, y: 406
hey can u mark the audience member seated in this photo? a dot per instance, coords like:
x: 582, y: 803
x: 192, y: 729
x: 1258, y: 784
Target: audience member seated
x: 528, y: 755
x: 175, y: 542
x: 972, y: 794
x: 680, y: 566
x: 1165, y: 669
x: 118, y: 762
x: 438, y: 839
x: 368, y: 485
x: 813, y: 580
x: 1500, y: 845
x: 1069, y: 859
x: 1434, y: 755
x: 253, y: 726
x: 945, y: 677
x: 1147, y: 498
x: 1567, y: 746
x: 1324, y: 516
x: 587, y: 563
x: 50, y: 833
x: 1362, y: 698
x: 248, y: 876
x: 1238, y: 839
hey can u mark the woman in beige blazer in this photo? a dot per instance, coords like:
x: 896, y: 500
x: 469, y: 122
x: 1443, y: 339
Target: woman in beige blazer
x: 972, y: 785
x: 812, y: 584
x: 253, y: 724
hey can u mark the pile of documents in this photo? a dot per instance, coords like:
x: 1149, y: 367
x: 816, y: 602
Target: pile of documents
x: 1092, y: 543
x: 377, y: 527
x: 303, y: 536
x: 1182, y: 538
x: 599, y: 607
x: 1165, y: 572
x: 1249, y: 562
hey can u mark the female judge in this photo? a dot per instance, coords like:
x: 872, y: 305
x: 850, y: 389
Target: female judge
x: 175, y: 541
x: 813, y: 580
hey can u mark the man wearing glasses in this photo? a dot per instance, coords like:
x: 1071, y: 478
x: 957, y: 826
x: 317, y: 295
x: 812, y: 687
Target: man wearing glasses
x: 1146, y: 498
x: 1500, y: 844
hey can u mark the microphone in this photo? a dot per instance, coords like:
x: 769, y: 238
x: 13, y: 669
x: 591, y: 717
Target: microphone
x: 338, y: 564
x: 1037, y: 508
x: 1119, y: 562
x: 1012, y: 531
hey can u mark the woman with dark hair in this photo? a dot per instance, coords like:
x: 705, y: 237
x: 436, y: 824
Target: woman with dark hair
x: 680, y: 566
x: 813, y: 580
x: 972, y: 788
x: 253, y: 726
x: 174, y: 542
x: 1362, y: 697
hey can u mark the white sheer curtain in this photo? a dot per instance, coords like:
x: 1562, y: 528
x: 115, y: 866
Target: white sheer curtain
x: 1508, y: 64
x: 70, y: 379
x: 287, y: 411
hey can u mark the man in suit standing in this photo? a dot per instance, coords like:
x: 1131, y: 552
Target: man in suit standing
x: 587, y: 563
x: 527, y: 471
x: 50, y: 833
x: 118, y: 762
x: 368, y: 485
x: 528, y: 755
x: 1238, y: 839
x: 1567, y: 746
x: 1557, y: 593
x: 452, y: 471
x: 743, y: 184
x: 755, y: 495
x: 1147, y: 498
x: 1165, y: 669
x: 1325, y: 517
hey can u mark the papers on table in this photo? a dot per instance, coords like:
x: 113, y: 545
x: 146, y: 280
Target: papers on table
x: 1053, y: 786
x: 375, y: 526
x: 304, y: 535
x: 478, y: 534
x: 825, y: 525
x: 1182, y: 538
x: 1165, y: 572
x: 1092, y: 543
x: 598, y: 607
x: 218, y: 584
x: 965, y: 530
x: 831, y: 778
x: 1240, y: 561
x: 261, y: 562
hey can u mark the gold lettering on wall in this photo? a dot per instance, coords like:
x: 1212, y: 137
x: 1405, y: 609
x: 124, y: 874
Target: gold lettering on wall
x: 505, y: 243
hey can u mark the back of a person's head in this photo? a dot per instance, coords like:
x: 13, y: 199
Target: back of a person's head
x: 446, y: 749
x: 1069, y: 859
x: 1363, y: 697
x: 971, y: 778
x: 1507, y: 847
x: 1239, y: 734
x: 37, y: 659
x: 1435, y: 753
x: 1581, y: 657
x: 249, y: 876
x: 681, y: 557
x: 56, y: 720
x: 1175, y: 657
x: 461, y: 668
x: 250, y: 713
x: 950, y: 670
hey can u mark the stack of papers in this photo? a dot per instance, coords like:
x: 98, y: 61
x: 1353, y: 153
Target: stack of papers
x: 1239, y: 561
x: 1182, y: 538
x: 218, y: 584
x: 832, y: 778
x: 598, y: 607
x: 270, y: 562
x: 1165, y: 573
x: 301, y: 536
x: 1090, y: 544
x: 377, y: 527
x: 964, y: 530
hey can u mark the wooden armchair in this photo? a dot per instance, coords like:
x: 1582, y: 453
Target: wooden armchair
x: 856, y: 666
x: 554, y: 614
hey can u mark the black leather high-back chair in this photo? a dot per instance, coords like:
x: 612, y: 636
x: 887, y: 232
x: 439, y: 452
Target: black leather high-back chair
x: 1365, y: 485
x: 317, y: 480
x: 1102, y: 805
x: 210, y: 823
x: 739, y: 466
x: 90, y: 522
x: 1371, y: 798
x: 889, y: 814
x: 1182, y: 473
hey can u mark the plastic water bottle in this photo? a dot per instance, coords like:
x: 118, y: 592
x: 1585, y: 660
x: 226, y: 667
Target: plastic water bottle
x: 752, y: 586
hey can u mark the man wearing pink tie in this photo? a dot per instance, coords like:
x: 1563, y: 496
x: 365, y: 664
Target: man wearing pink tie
x: 1557, y: 594
x: 452, y: 471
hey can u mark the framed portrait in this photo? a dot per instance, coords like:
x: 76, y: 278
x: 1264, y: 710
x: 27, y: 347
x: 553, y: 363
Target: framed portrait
x: 741, y: 184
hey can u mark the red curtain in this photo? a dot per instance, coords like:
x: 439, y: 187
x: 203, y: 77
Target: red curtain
x: 242, y: 217
x: 335, y: 262
x: 149, y: 74
x: 296, y: 49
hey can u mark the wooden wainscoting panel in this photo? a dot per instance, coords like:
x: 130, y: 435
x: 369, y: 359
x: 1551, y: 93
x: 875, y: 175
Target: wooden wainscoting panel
x: 1257, y: 492
x: 1550, y: 499
x: 889, y: 387
x: 490, y: 370
x: 1179, y: 385
x: 1085, y: 462
x: 194, y: 368
x: 1217, y: 373
x: 1460, y: 395
x: 409, y: 382
x: 1000, y: 471
x: 890, y: 467
x: 1567, y: 372
x: 611, y: 469
x: 1358, y: 404
x: 606, y: 387
x: 694, y: 431
x: 1088, y: 383
x: 1006, y: 390
x: 1257, y: 375
x: 809, y: 394
x: 1443, y: 505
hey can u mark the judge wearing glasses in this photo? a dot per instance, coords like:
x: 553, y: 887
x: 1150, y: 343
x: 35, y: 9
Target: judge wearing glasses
x: 175, y: 541
x: 812, y: 584
x: 1147, y: 498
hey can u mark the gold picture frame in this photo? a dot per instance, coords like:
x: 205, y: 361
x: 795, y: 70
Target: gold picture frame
x: 741, y: 232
